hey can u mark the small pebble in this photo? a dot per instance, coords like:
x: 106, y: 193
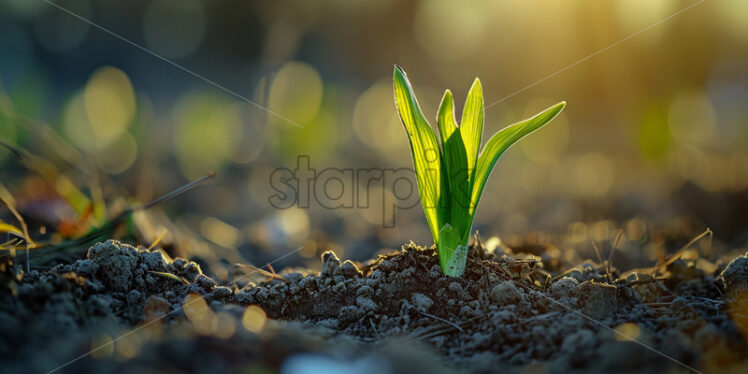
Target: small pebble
x: 506, y: 293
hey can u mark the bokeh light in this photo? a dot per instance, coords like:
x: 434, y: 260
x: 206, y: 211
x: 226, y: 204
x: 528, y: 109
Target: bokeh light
x: 448, y: 32
x: 376, y: 123
x: 296, y: 92
x: 207, y: 131
x: 627, y: 332
x: 254, y: 319
x: 110, y: 103
x: 199, y: 314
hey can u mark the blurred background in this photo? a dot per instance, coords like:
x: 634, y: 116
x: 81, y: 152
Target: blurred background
x: 653, y: 143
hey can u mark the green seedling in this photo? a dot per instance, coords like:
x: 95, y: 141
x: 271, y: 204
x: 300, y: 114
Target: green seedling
x: 451, y: 173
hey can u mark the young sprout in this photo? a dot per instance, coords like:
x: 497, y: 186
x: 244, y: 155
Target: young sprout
x: 451, y: 176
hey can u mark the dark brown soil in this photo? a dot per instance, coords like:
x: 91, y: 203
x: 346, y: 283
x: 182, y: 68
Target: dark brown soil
x: 395, y: 314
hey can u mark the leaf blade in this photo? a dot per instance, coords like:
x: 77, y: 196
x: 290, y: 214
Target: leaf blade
x: 471, y: 124
x: 455, y: 159
x: 425, y: 151
x: 500, y: 142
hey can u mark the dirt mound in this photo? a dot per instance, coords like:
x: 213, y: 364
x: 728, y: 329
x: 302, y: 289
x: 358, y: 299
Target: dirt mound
x: 503, y: 314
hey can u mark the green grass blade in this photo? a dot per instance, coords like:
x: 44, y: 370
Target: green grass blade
x: 500, y: 142
x: 456, y: 164
x: 424, y: 148
x: 471, y: 126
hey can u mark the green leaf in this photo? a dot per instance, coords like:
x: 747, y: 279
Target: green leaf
x: 452, y: 253
x: 471, y: 125
x: 451, y: 178
x: 424, y: 148
x: 456, y: 164
x: 500, y: 142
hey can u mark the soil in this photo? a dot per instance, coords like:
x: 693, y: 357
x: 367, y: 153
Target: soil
x: 394, y: 314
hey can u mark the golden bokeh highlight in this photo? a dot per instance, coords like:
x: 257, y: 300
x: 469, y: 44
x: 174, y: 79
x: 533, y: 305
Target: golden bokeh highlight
x: 692, y: 120
x: 207, y: 131
x: 636, y: 229
x: 75, y: 125
x: 97, y: 120
x: 296, y: 92
x: 254, y: 319
x: 128, y: 346
x: 110, y: 103
x: 602, y: 230
x: 102, y: 346
x: 118, y: 155
x: 634, y: 15
x: 627, y: 332
x: 373, y: 203
x: 450, y: 32
x: 225, y: 326
x: 732, y: 16
x: 294, y: 222
x: 376, y: 123
x: 578, y: 232
x: 309, y: 124
x: 198, y: 312
x: 309, y: 250
x: 592, y: 175
x: 221, y: 233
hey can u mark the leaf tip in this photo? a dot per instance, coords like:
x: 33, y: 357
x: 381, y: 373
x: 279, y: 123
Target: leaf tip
x: 558, y: 108
x: 476, y: 85
x: 398, y: 70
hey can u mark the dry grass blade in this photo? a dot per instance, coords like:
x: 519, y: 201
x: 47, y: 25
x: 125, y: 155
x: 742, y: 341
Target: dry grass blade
x: 170, y: 276
x: 597, y: 251
x: 42, y: 130
x: 60, y: 182
x: 52, y: 252
x: 16, y: 153
x: 443, y: 320
x: 680, y: 252
x: 187, y: 187
x: 7, y: 199
x: 254, y: 269
x: 158, y: 238
x: 439, y: 330
x: 7, y: 228
x: 612, y: 250
x: 11, y: 245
